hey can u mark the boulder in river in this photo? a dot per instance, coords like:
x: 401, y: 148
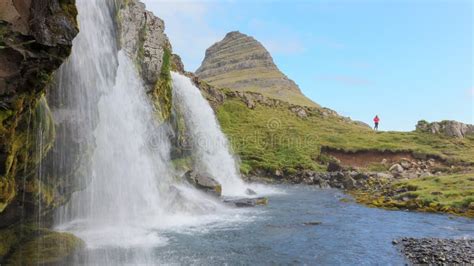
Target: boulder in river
x: 204, y: 183
x: 312, y: 223
x: 250, y: 192
x: 246, y: 202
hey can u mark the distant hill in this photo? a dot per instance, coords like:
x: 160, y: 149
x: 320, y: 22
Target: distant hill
x: 277, y: 131
x: 240, y: 62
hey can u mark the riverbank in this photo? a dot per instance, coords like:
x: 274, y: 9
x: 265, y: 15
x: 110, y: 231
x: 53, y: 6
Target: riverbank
x: 443, y: 193
x: 451, y: 194
x: 434, y: 251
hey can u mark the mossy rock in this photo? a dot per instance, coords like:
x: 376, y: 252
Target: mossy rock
x: 9, y: 237
x: 48, y: 248
x: 28, y: 144
x: 162, y: 93
x: 183, y: 164
x: 7, y: 192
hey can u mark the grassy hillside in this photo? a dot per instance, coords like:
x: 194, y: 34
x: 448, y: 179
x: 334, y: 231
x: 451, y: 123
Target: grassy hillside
x: 274, y: 138
x: 280, y: 93
x: 452, y: 194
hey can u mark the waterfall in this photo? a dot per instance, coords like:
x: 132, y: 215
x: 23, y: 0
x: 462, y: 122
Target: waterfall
x: 124, y: 193
x: 210, y: 146
x: 129, y: 192
x: 126, y: 179
x: 129, y: 186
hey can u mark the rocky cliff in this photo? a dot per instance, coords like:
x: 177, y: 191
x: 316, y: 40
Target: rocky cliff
x: 142, y: 37
x: 35, y: 38
x: 447, y: 127
x: 240, y: 62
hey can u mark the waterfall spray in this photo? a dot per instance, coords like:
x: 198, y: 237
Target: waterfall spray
x: 210, y: 146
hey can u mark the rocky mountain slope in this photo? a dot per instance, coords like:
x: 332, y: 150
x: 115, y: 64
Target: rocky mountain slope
x: 240, y: 62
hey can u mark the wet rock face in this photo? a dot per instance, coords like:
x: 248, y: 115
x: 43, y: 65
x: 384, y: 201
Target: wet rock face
x: 433, y: 251
x: 242, y: 63
x: 35, y: 38
x: 143, y: 39
x: 449, y: 128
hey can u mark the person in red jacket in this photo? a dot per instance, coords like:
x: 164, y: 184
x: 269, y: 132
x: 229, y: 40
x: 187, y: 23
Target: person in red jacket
x: 376, y: 122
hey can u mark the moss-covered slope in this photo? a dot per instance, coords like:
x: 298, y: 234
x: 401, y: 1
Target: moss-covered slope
x: 280, y: 137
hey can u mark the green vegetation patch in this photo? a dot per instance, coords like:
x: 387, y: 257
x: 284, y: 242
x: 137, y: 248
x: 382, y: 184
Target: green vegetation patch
x: 274, y: 138
x: 449, y: 194
x: 162, y: 95
x: 31, y: 136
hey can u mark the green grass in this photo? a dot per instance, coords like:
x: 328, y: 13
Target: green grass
x: 450, y: 194
x: 453, y: 190
x: 274, y: 138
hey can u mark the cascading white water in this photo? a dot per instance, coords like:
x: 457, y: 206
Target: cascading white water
x: 129, y: 179
x: 130, y: 192
x: 210, y: 146
x: 124, y: 194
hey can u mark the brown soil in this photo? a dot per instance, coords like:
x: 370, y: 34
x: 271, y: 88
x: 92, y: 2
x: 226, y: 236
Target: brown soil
x: 363, y: 159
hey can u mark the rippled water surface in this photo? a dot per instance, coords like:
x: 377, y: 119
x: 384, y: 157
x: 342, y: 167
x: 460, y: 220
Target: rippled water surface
x: 276, y: 234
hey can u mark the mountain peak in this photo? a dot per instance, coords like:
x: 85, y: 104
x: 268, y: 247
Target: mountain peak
x: 233, y: 34
x: 240, y: 62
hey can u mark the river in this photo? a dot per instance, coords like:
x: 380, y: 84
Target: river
x: 348, y: 234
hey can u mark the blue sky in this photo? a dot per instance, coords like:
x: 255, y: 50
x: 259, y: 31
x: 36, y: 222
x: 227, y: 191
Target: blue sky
x: 404, y: 60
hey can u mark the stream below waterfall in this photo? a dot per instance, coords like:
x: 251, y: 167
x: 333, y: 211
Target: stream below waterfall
x: 349, y: 234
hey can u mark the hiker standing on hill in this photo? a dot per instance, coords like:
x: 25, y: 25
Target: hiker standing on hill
x: 376, y: 122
